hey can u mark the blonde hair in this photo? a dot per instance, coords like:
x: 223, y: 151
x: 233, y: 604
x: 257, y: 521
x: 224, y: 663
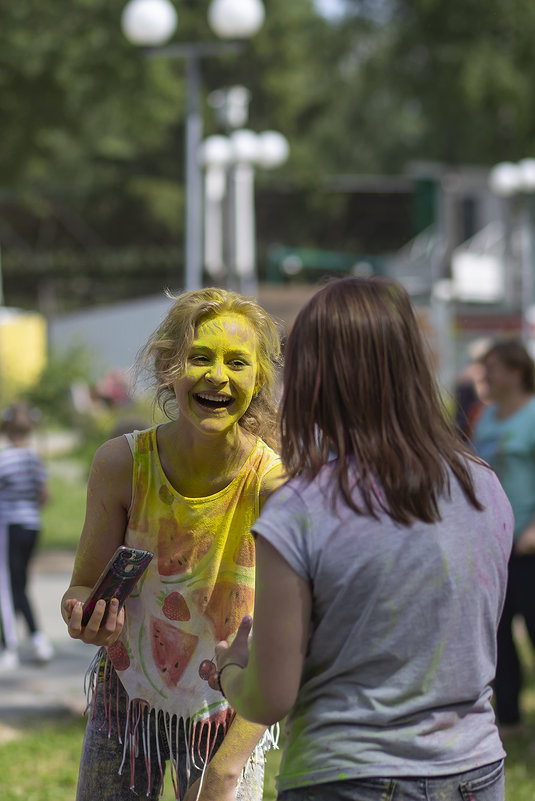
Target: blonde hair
x: 166, y: 351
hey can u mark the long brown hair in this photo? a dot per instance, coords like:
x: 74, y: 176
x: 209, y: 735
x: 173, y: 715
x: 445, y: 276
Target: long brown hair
x: 166, y: 351
x: 357, y: 380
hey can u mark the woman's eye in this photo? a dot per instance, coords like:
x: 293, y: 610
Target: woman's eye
x: 238, y: 363
x: 198, y: 359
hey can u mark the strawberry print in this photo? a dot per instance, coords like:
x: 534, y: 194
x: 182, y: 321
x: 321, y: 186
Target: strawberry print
x: 119, y: 656
x: 174, y: 606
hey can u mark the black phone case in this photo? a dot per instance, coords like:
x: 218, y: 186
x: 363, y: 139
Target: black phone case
x: 118, y: 579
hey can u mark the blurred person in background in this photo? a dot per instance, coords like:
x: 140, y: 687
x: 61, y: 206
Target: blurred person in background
x: 23, y: 491
x: 471, y: 390
x: 505, y: 437
x: 381, y: 571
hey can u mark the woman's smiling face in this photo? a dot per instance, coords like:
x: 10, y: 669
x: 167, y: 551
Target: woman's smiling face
x: 219, y: 378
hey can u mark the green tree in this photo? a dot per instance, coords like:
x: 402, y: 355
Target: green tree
x: 463, y: 73
x: 90, y: 123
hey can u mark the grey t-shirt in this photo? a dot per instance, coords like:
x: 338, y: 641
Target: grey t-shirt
x: 402, y: 648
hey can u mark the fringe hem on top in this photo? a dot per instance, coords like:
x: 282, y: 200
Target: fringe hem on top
x: 140, y: 719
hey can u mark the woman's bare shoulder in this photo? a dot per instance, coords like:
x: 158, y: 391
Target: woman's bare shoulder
x: 274, y: 478
x: 112, y: 465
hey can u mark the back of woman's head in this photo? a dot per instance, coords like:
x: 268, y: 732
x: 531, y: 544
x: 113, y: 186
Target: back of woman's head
x: 167, y: 350
x: 358, y: 381
x: 515, y: 356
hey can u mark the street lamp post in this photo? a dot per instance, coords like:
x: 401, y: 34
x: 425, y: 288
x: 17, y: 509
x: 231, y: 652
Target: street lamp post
x: 508, y: 180
x: 151, y: 23
x: 230, y: 166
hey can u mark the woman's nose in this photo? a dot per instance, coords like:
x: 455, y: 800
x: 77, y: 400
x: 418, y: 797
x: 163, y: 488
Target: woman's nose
x: 216, y: 374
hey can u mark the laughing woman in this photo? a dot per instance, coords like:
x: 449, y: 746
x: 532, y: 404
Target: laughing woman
x: 381, y: 571
x: 188, y: 490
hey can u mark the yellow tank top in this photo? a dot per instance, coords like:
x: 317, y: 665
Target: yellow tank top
x: 197, y: 588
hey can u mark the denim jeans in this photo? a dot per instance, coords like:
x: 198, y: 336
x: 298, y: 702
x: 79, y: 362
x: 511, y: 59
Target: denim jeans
x: 102, y: 755
x: 481, y: 784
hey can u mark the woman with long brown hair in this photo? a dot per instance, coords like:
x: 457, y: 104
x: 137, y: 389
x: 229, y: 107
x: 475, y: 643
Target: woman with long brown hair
x: 381, y: 570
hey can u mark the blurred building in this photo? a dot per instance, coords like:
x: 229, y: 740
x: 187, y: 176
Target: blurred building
x: 23, y: 351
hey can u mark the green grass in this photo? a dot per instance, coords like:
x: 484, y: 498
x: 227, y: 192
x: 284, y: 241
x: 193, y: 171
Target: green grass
x: 520, y: 765
x: 41, y: 762
x: 520, y: 761
x: 63, y: 515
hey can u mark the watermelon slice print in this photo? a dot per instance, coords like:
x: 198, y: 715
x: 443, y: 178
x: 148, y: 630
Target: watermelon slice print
x: 179, y: 550
x: 172, y: 650
x: 225, y: 606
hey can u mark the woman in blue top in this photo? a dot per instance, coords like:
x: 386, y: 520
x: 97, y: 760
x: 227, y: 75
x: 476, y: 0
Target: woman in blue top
x: 505, y: 438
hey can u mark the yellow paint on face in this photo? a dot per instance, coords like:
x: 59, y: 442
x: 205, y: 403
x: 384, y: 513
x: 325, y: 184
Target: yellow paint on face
x: 219, y: 379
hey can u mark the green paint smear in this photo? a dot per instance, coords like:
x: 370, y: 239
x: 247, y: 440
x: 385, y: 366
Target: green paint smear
x: 174, y: 581
x: 207, y: 708
x: 143, y: 661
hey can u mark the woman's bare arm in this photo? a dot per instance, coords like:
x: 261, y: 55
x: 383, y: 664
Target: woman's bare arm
x: 266, y: 689
x: 108, y: 499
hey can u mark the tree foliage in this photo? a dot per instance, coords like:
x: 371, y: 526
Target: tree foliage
x: 87, y: 118
x: 93, y: 132
x: 464, y: 72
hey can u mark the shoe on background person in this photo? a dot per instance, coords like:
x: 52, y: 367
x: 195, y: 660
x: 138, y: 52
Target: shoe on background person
x: 41, y: 649
x: 9, y: 660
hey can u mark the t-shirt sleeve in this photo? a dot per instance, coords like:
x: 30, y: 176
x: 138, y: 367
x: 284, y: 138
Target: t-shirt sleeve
x: 285, y: 524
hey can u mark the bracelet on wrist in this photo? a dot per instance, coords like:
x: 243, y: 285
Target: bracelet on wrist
x: 220, y: 671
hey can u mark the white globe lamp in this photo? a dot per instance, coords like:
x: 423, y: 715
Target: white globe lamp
x: 236, y: 19
x: 527, y: 174
x: 505, y: 178
x: 149, y: 22
x: 273, y: 149
x: 244, y: 145
x: 216, y: 151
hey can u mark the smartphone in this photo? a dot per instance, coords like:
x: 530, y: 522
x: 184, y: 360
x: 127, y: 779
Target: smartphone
x: 118, y: 579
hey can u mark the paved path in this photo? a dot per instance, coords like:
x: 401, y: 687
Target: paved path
x: 57, y: 687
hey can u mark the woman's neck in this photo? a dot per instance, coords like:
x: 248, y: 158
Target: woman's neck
x: 200, y: 466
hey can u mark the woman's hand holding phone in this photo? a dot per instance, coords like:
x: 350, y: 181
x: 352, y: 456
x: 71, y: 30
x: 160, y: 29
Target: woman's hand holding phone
x: 93, y: 632
x: 95, y: 614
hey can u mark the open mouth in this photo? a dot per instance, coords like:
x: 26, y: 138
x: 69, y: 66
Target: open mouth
x: 213, y: 401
